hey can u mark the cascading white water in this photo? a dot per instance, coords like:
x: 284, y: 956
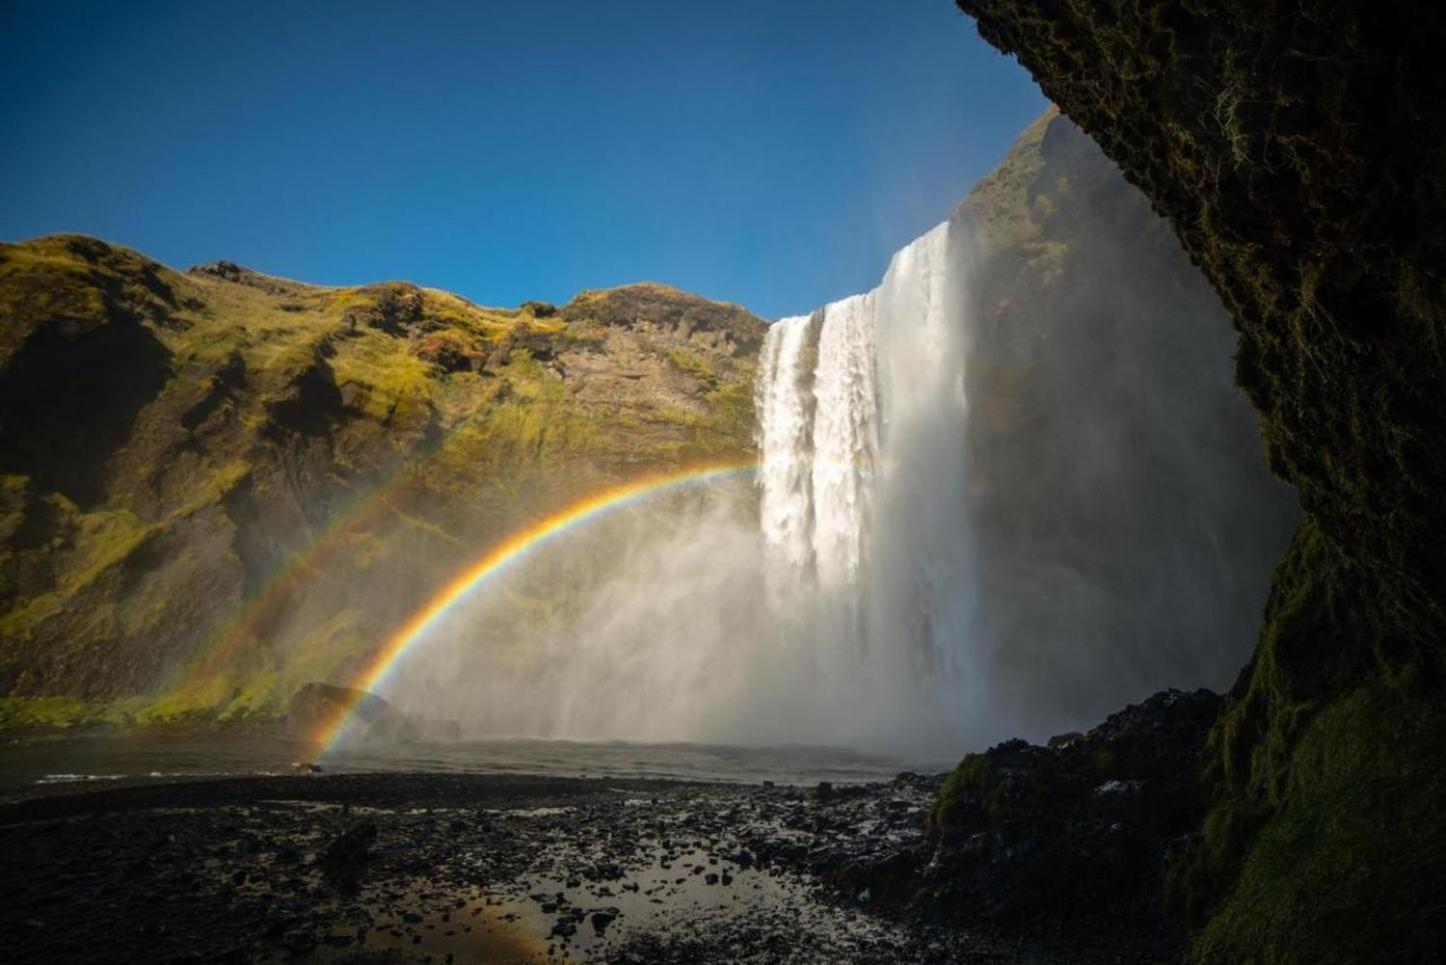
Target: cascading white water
x: 861, y: 414
x: 840, y: 617
x: 998, y: 497
x: 784, y: 404
x: 920, y: 575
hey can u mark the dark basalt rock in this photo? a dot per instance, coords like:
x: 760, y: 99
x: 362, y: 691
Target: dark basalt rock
x: 1079, y: 828
x: 241, y: 275
x: 662, y: 305
x: 319, y: 702
x: 450, y: 352
x: 351, y: 846
x: 395, y: 308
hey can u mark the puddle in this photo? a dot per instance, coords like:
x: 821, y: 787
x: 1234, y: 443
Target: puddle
x: 542, y: 918
x: 416, y: 921
x: 591, y: 917
x: 476, y: 932
x: 540, y: 812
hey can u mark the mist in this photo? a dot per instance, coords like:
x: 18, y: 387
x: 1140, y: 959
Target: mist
x: 1001, y: 495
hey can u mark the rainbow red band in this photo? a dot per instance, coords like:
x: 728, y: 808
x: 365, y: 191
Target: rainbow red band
x: 502, y: 556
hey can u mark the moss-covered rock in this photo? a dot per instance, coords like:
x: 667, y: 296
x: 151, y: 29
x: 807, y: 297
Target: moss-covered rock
x: 1075, y: 830
x: 1299, y: 152
x: 219, y: 486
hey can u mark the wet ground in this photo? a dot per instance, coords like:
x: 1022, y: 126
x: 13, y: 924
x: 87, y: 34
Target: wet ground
x: 64, y: 760
x: 476, y: 868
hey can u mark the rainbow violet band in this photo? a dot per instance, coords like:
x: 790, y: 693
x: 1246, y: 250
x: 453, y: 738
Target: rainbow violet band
x: 500, y: 557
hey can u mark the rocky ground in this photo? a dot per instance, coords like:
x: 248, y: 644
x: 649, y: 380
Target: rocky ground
x: 417, y: 867
x: 1024, y: 854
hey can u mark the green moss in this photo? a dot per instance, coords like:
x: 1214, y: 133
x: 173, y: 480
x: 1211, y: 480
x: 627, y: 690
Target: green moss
x: 975, y: 782
x: 686, y: 360
x: 173, y: 708
x: 1324, y: 769
x: 259, y: 695
x: 1323, y: 628
x: 104, y: 540
x: 379, y: 380
x: 1352, y: 865
x: 44, y: 712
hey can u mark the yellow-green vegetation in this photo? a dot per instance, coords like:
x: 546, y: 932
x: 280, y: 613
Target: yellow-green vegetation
x: 219, y: 486
x: 1350, y: 864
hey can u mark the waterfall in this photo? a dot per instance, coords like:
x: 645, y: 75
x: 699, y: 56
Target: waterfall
x: 862, y: 419
x: 996, y: 498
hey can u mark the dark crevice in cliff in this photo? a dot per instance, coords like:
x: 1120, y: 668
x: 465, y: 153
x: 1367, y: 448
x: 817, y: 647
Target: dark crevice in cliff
x: 67, y: 402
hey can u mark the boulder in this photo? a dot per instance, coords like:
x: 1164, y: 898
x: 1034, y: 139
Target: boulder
x: 1079, y: 827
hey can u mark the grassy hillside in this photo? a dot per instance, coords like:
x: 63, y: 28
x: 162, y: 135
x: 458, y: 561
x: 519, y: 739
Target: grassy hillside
x: 217, y: 486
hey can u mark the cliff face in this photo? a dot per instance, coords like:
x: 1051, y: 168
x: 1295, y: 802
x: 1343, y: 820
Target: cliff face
x: 1125, y: 519
x: 217, y: 486
x: 1298, y: 151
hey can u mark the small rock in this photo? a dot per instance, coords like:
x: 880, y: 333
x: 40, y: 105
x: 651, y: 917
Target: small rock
x: 351, y: 846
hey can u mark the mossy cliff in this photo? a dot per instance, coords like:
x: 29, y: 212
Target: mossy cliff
x: 218, y: 486
x: 1299, y: 152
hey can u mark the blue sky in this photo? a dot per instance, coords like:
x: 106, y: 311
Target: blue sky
x: 769, y: 152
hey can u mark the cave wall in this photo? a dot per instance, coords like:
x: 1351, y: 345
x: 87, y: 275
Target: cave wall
x: 1299, y: 152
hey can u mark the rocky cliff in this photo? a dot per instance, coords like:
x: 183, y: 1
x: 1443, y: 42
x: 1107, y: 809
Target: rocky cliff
x: 217, y: 486
x: 1298, y: 152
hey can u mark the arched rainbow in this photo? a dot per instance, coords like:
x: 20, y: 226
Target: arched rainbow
x: 501, y: 557
x: 228, y: 637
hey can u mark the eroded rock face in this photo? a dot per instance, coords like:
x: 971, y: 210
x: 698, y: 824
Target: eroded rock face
x: 1299, y: 152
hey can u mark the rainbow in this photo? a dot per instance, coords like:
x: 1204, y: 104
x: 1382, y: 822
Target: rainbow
x: 499, y: 558
x: 228, y: 637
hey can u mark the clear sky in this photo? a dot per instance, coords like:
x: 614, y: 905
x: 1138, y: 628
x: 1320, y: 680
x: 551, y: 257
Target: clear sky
x: 769, y: 152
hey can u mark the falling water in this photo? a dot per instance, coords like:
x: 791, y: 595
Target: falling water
x: 971, y: 522
x: 837, y: 614
x: 861, y: 415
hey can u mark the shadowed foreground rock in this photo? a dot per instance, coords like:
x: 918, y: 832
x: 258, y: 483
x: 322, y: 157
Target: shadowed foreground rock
x: 1068, y: 839
x: 1078, y: 827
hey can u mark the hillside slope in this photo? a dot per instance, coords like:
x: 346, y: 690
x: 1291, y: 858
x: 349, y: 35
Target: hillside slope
x: 217, y: 486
